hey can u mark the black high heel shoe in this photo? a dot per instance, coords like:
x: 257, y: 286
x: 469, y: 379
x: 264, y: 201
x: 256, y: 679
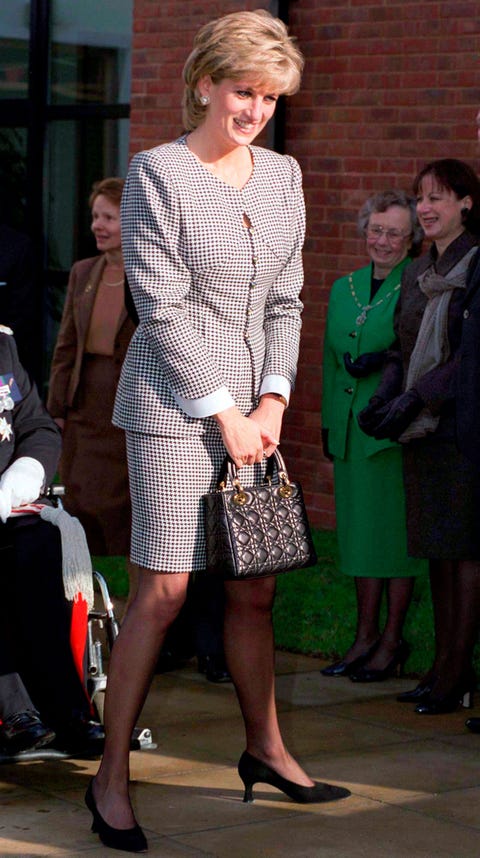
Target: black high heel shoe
x: 343, y: 668
x: 421, y: 692
x: 460, y: 695
x: 395, y: 667
x: 473, y: 724
x: 253, y: 771
x: 128, y: 839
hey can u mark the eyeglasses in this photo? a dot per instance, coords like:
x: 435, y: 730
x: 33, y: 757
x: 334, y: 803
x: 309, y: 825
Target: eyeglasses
x: 393, y: 235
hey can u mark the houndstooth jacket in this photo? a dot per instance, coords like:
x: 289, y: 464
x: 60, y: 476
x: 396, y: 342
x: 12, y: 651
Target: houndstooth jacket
x: 218, y: 303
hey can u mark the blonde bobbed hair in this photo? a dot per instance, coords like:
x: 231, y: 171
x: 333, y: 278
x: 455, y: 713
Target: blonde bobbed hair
x: 252, y: 45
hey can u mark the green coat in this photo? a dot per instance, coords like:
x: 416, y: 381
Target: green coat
x: 343, y: 395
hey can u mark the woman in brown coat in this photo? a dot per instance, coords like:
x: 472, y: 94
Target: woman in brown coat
x: 94, y: 335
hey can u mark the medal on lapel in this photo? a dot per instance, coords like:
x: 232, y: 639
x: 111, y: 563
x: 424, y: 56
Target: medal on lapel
x: 5, y: 430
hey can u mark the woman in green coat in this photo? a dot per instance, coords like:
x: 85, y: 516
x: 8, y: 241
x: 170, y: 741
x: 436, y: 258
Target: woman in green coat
x: 369, y: 494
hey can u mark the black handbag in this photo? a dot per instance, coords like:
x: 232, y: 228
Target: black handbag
x: 259, y: 530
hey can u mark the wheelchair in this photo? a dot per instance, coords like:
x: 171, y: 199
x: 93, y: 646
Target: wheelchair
x: 104, y: 619
x: 102, y: 631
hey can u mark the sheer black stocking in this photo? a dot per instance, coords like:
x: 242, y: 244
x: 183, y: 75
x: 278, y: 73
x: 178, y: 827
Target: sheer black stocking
x: 399, y: 595
x: 369, y: 598
x: 455, y: 588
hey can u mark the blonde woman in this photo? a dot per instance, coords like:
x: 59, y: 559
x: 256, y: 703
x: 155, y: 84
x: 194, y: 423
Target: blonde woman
x: 212, y: 232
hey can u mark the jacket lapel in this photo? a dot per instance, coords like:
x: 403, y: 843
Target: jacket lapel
x: 88, y: 292
x: 473, y: 282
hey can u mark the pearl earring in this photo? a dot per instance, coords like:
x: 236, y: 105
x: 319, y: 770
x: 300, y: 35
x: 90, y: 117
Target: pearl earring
x: 204, y: 99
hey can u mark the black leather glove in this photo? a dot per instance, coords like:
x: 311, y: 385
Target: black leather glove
x: 326, y: 451
x: 373, y: 414
x: 397, y: 415
x: 364, y: 364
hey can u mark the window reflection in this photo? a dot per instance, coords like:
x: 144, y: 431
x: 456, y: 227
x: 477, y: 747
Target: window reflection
x: 13, y: 176
x: 89, y: 150
x: 84, y: 74
x: 90, y: 57
x: 14, y: 36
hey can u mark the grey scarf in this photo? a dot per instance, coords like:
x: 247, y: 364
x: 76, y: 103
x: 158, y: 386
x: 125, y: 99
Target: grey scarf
x: 432, y: 347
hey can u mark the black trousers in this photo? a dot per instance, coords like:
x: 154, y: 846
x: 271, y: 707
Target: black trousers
x: 35, y: 621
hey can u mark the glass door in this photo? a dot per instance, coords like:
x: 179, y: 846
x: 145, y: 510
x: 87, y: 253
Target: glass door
x: 64, y: 123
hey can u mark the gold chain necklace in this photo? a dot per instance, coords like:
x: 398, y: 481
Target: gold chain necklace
x: 365, y: 308
x: 112, y: 285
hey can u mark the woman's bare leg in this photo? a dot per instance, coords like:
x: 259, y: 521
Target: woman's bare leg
x: 155, y: 606
x: 250, y: 654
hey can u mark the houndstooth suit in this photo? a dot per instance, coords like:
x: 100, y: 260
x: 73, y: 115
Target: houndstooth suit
x: 219, y: 312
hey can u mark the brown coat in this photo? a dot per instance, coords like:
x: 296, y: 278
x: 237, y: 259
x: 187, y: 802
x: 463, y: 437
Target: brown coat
x: 93, y: 466
x: 67, y: 360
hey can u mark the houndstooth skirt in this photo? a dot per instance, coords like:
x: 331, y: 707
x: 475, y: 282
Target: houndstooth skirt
x: 168, y: 478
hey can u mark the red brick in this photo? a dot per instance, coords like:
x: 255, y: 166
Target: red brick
x: 387, y: 86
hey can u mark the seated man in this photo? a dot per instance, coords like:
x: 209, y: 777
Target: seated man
x: 40, y: 676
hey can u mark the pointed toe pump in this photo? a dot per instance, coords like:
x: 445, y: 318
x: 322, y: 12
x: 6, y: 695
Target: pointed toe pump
x: 344, y: 668
x: 473, y: 724
x: 395, y: 667
x: 128, y: 839
x: 421, y: 691
x: 253, y: 771
x: 461, y: 695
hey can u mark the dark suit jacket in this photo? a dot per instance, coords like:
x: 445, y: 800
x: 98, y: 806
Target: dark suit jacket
x: 468, y: 372
x: 27, y: 429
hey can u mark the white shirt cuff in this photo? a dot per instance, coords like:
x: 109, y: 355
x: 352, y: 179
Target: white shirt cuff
x: 220, y: 400
x: 276, y: 384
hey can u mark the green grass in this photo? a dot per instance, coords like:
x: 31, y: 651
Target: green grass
x: 114, y: 571
x: 315, y: 609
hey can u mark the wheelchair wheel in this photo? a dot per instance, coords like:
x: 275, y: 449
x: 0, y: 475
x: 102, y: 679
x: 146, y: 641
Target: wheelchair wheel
x: 102, y: 633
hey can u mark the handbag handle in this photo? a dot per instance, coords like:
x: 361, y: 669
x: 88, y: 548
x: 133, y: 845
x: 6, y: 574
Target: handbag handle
x: 229, y: 470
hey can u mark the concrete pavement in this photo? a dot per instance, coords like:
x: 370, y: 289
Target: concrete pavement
x: 415, y: 780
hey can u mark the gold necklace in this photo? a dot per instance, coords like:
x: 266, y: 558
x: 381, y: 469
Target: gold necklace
x: 365, y: 308
x: 112, y: 285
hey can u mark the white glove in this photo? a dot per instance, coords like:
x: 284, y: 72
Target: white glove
x: 20, y: 484
x: 5, y: 506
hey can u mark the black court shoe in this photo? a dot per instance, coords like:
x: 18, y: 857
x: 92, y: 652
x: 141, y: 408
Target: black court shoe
x: 24, y: 731
x: 253, y: 771
x: 81, y: 736
x: 343, y: 668
x: 128, y: 839
x: 460, y: 695
x: 420, y: 692
x: 394, y: 667
x: 214, y: 667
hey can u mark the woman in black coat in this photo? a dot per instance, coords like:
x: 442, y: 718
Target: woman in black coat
x: 416, y: 403
x: 468, y: 407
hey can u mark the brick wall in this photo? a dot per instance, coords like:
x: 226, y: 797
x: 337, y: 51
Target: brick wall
x: 388, y: 86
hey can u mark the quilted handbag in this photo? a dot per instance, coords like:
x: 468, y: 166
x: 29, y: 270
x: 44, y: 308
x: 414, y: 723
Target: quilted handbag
x: 258, y: 530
